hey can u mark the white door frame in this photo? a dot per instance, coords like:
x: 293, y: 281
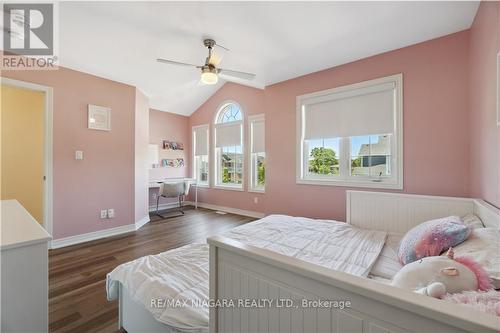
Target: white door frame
x: 48, y: 145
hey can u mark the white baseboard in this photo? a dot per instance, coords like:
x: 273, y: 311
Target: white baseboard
x: 141, y: 222
x: 236, y: 211
x: 72, y: 240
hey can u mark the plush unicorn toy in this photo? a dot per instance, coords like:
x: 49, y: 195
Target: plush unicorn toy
x: 436, y: 276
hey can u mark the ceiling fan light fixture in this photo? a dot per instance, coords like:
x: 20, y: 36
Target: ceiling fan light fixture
x: 209, y: 70
x: 209, y: 75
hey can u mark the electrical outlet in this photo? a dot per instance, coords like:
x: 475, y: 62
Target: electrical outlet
x: 255, y: 200
x: 111, y: 213
x: 104, y: 213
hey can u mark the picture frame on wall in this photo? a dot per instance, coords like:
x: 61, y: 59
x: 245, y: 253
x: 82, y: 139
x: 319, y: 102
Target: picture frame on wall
x: 172, y: 145
x: 172, y: 163
x: 99, y: 118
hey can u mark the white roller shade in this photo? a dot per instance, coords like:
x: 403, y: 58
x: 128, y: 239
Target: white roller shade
x: 258, y: 136
x: 201, y: 141
x: 228, y: 135
x: 363, y: 111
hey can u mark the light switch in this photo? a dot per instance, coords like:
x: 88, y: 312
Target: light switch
x: 78, y: 155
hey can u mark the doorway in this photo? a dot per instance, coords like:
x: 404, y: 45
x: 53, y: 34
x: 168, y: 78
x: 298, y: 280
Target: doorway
x: 26, y: 147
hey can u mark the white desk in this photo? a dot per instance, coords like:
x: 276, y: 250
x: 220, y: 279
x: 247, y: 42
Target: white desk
x: 156, y: 183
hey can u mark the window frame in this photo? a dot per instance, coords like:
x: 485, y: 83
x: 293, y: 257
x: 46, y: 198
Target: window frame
x: 251, y: 168
x: 215, y: 166
x: 193, y: 156
x: 345, y: 179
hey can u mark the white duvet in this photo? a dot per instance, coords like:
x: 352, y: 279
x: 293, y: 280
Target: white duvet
x: 181, y: 274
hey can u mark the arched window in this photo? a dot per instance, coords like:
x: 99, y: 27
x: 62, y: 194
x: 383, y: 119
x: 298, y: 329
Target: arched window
x: 229, y: 113
x: 228, y: 129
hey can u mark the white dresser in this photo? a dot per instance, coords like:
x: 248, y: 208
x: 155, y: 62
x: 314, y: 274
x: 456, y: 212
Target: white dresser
x: 24, y: 271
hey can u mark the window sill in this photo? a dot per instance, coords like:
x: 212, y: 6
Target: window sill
x: 202, y: 185
x: 229, y: 187
x: 352, y: 183
x: 256, y: 190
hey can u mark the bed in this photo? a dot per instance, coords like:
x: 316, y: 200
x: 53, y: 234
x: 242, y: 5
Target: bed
x: 239, y: 270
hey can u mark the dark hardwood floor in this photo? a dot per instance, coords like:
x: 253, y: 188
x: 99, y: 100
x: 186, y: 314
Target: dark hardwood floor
x: 77, y: 293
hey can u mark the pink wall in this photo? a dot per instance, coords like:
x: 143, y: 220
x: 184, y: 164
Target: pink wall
x: 485, y: 138
x: 251, y: 101
x: 449, y: 120
x: 105, y: 178
x: 141, y: 156
x: 436, y: 128
x: 173, y: 127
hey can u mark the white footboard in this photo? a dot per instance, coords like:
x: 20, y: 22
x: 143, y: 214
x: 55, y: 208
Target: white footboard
x: 242, y: 272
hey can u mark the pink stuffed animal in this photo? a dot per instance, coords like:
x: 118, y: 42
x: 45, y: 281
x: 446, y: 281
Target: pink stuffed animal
x: 436, y: 276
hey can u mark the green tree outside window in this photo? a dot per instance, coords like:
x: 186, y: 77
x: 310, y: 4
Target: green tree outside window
x: 261, y: 174
x: 226, y: 178
x: 323, y: 161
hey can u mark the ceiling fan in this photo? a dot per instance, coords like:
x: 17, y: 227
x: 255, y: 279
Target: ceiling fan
x: 209, y: 71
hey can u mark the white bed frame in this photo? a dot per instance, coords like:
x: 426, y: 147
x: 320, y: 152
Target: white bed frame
x: 242, y: 271
x: 134, y: 318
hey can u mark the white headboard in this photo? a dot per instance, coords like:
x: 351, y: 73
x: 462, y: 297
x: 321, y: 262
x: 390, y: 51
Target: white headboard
x: 400, y: 212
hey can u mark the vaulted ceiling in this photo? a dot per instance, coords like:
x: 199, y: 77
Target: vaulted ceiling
x: 275, y: 40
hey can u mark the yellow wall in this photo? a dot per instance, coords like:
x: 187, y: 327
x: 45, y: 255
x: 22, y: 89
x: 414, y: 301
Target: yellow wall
x: 22, y: 150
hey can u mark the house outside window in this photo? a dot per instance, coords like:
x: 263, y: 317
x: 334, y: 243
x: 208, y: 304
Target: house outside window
x: 373, y: 157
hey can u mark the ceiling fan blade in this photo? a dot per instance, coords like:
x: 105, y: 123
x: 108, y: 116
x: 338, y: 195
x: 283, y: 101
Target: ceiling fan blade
x: 237, y: 74
x: 222, y: 47
x: 171, y: 62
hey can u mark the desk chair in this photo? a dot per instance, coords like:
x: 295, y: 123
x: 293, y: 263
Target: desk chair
x: 172, y: 190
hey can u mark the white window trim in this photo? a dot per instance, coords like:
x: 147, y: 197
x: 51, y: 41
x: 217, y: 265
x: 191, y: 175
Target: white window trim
x: 193, y: 157
x: 397, y: 138
x: 215, y: 168
x: 251, y: 119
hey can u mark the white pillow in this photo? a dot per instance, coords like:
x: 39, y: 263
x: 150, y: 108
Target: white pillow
x: 472, y: 221
x: 387, y: 263
x: 483, y: 245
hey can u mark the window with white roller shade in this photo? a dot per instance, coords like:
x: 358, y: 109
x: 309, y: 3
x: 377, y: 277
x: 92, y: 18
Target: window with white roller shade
x: 200, y: 140
x: 352, y: 135
x: 257, y: 130
x: 228, y: 135
x: 200, y: 155
x: 228, y: 146
x: 365, y: 111
x: 257, y: 158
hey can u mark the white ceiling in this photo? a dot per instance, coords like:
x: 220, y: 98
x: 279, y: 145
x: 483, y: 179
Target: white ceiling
x: 275, y: 40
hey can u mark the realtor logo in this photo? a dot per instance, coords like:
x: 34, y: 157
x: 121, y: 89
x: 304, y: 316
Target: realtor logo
x: 28, y: 29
